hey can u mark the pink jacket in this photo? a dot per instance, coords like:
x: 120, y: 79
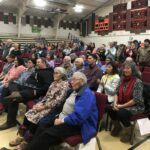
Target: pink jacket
x: 14, y: 73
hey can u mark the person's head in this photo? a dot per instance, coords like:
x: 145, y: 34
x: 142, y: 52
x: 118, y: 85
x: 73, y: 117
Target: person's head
x: 16, y: 46
x: 67, y: 60
x: 111, y: 44
x: 50, y: 56
x: 108, y: 59
x: 122, y: 47
x: 93, y: 45
x: 146, y: 43
x: 31, y: 63
x: 92, y: 59
x: 59, y: 74
x: 42, y: 45
x: 83, y: 57
x: 78, y: 79
x: 133, y: 46
x: 79, y: 62
x: 130, y: 69
x: 129, y: 59
x: 10, y: 58
x: 111, y: 68
x: 41, y: 63
x: 9, y: 41
x: 73, y: 56
x: 18, y: 61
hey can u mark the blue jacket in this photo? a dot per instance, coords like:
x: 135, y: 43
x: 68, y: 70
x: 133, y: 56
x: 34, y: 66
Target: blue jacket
x: 85, y: 114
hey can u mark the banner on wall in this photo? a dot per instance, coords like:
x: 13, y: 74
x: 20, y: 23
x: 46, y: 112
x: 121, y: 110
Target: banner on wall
x: 36, y: 29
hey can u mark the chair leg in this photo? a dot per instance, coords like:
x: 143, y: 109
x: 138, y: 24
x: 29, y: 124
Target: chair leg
x: 132, y: 133
x: 98, y: 143
x: 107, y: 122
x: 77, y: 147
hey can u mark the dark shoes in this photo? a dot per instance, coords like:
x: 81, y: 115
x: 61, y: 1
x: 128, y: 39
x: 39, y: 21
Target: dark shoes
x: 14, y: 95
x: 7, y: 126
x: 116, y: 129
x: 126, y: 135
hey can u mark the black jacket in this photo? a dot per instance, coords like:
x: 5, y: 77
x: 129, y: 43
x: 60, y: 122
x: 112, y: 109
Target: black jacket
x: 40, y: 80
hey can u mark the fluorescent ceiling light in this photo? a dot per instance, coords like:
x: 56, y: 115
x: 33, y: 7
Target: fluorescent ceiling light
x: 40, y: 3
x: 78, y: 8
x: 1, y: 1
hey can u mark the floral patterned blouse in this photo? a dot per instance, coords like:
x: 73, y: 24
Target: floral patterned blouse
x: 55, y: 95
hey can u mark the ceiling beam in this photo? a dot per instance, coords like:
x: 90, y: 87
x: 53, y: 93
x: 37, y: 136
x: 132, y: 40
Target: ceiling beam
x: 63, y: 2
x: 22, y: 8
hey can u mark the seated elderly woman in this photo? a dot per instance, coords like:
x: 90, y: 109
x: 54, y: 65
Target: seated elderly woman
x: 109, y: 82
x: 79, y: 116
x: 128, y: 101
x: 45, y: 110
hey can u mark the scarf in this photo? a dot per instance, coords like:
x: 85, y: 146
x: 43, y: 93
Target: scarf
x: 125, y: 94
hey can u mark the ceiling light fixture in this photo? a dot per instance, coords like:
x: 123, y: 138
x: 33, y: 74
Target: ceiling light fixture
x: 78, y: 8
x: 1, y: 1
x: 40, y: 3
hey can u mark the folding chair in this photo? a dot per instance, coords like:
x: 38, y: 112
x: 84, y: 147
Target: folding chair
x: 74, y: 141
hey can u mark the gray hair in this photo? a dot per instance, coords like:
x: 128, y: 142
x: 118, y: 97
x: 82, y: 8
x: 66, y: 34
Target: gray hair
x: 68, y: 58
x: 62, y: 71
x: 81, y: 76
x: 135, y: 71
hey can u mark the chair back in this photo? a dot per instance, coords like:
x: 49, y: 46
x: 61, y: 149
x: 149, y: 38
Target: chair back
x: 101, y: 100
x: 145, y: 77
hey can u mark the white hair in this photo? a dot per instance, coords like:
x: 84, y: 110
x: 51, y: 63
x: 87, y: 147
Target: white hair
x: 61, y: 70
x: 81, y: 76
x: 80, y: 60
x: 68, y: 58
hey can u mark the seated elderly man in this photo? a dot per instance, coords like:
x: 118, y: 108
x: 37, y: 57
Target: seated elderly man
x: 78, y: 65
x: 67, y: 65
x: 79, y: 116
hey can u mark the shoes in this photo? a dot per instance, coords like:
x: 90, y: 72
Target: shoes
x: 22, y: 146
x: 14, y: 95
x: 16, y: 142
x: 117, y: 128
x: 7, y: 126
x: 126, y: 135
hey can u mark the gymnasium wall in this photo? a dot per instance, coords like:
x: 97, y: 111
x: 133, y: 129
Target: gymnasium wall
x: 9, y: 27
x: 122, y: 36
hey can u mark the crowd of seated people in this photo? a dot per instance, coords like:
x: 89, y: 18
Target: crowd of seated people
x: 60, y: 79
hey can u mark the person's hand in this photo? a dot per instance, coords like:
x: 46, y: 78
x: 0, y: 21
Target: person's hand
x: 6, y: 84
x: 120, y: 106
x: 39, y: 107
x: 115, y: 107
x: 98, y: 81
x: 58, y: 121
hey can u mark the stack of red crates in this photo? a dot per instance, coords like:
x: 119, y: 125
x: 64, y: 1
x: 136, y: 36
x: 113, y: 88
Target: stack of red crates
x: 139, y: 4
x: 139, y: 14
x: 119, y: 16
x: 102, y: 25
